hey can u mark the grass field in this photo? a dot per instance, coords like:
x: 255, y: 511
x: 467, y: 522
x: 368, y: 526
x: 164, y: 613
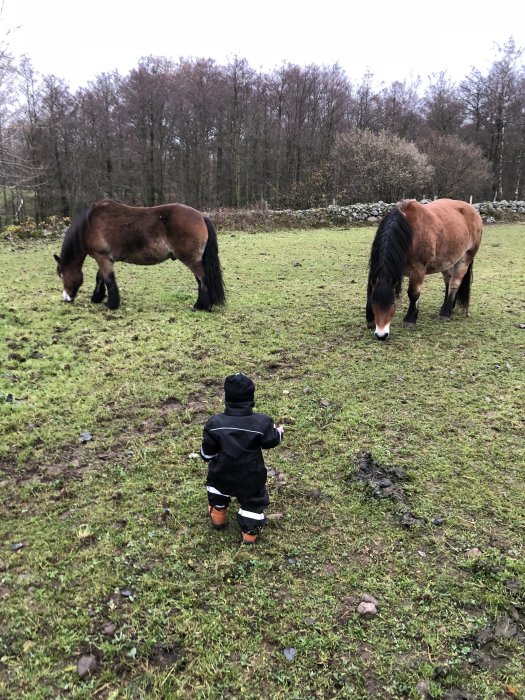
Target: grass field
x: 105, y: 545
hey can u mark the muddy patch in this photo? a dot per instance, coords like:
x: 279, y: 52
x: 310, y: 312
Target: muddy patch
x: 172, y: 403
x: 489, y: 646
x: 381, y: 480
x: 165, y: 655
x: 385, y: 482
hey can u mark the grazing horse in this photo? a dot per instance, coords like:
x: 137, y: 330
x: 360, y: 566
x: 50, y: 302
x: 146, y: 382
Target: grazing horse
x: 416, y: 240
x: 110, y: 231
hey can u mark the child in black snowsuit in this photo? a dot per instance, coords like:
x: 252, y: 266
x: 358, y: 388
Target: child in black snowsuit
x: 232, y: 448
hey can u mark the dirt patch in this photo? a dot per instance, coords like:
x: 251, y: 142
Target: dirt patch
x: 386, y: 482
x: 489, y: 650
x: 172, y: 403
x: 164, y: 655
x: 382, y: 481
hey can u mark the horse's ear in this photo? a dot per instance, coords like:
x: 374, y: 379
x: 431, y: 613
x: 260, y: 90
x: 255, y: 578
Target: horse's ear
x: 57, y: 259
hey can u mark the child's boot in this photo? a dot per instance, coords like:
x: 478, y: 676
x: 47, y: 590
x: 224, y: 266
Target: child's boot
x: 249, y: 537
x: 219, y: 517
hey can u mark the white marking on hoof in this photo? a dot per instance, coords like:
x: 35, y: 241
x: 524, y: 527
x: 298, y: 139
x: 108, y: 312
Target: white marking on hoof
x: 65, y: 296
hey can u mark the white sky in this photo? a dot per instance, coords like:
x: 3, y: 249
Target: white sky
x: 399, y: 40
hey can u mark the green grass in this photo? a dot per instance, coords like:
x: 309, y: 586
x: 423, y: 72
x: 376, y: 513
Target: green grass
x: 126, y: 511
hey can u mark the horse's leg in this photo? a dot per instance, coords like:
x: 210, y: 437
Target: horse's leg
x: 368, y: 311
x: 447, y: 275
x: 415, y: 283
x: 100, y: 289
x: 203, y: 302
x: 455, y: 276
x: 106, y: 269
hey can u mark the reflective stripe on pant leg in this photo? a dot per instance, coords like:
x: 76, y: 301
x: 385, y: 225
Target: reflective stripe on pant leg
x: 212, y: 489
x: 250, y: 521
x: 216, y: 498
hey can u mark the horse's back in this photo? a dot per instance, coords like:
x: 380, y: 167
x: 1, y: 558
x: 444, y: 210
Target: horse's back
x: 458, y: 219
x: 146, y: 235
x: 443, y: 231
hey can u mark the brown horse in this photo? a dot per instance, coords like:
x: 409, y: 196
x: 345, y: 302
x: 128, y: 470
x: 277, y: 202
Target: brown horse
x: 110, y: 231
x: 415, y: 240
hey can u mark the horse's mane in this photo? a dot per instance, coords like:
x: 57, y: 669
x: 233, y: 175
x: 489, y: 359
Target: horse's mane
x: 388, y: 254
x: 73, y: 243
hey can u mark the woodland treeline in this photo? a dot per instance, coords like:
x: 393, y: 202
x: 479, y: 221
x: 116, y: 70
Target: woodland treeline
x: 216, y: 135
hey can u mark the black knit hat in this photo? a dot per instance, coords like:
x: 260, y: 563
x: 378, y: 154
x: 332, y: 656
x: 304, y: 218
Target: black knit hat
x: 238, y: 388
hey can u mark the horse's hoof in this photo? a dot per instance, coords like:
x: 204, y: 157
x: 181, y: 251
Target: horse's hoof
x: 444, y: 318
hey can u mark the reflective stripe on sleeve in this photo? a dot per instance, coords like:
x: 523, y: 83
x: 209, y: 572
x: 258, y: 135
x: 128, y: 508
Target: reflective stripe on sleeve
x: 208, y: 456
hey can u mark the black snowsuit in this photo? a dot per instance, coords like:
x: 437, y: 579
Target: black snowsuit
x: 232, y: 448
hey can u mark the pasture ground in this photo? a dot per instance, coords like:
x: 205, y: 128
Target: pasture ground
x: 105, y: 545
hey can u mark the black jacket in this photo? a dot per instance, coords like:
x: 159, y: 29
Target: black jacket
x: 232, y: 447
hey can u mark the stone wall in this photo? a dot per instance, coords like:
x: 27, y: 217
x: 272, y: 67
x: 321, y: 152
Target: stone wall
x: 263, y: 219
x: 373, y: 213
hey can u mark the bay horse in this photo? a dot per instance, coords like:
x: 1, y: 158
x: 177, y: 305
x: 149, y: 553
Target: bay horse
x: 111, y: 232
x: 415, y: 240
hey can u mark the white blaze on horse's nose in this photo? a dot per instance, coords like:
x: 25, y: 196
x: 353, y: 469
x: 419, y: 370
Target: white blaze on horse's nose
x: 382, y: 332
x: 65, y: 296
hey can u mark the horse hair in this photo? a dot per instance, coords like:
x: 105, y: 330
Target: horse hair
x: 212, y: 267
x: 73, y: 243
x: 388, y: 256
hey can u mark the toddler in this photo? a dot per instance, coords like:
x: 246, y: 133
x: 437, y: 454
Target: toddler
x: 232, y: 448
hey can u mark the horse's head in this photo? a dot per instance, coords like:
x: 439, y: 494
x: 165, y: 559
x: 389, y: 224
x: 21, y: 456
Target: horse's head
x: 72, y: 278
x: 382, y: 298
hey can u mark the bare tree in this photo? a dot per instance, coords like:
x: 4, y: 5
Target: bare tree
x: 442, y: 106
x: 399, y: 109
x: 209, y: 135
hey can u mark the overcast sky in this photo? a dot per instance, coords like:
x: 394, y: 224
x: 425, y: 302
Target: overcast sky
x: 400, y: 40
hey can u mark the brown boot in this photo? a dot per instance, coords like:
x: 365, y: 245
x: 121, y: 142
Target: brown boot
x: 219, y: 517
x: 249, y: 538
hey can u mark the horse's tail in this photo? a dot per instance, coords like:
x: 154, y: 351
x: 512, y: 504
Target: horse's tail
x: 212, y: 267
x: 463, y: 295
